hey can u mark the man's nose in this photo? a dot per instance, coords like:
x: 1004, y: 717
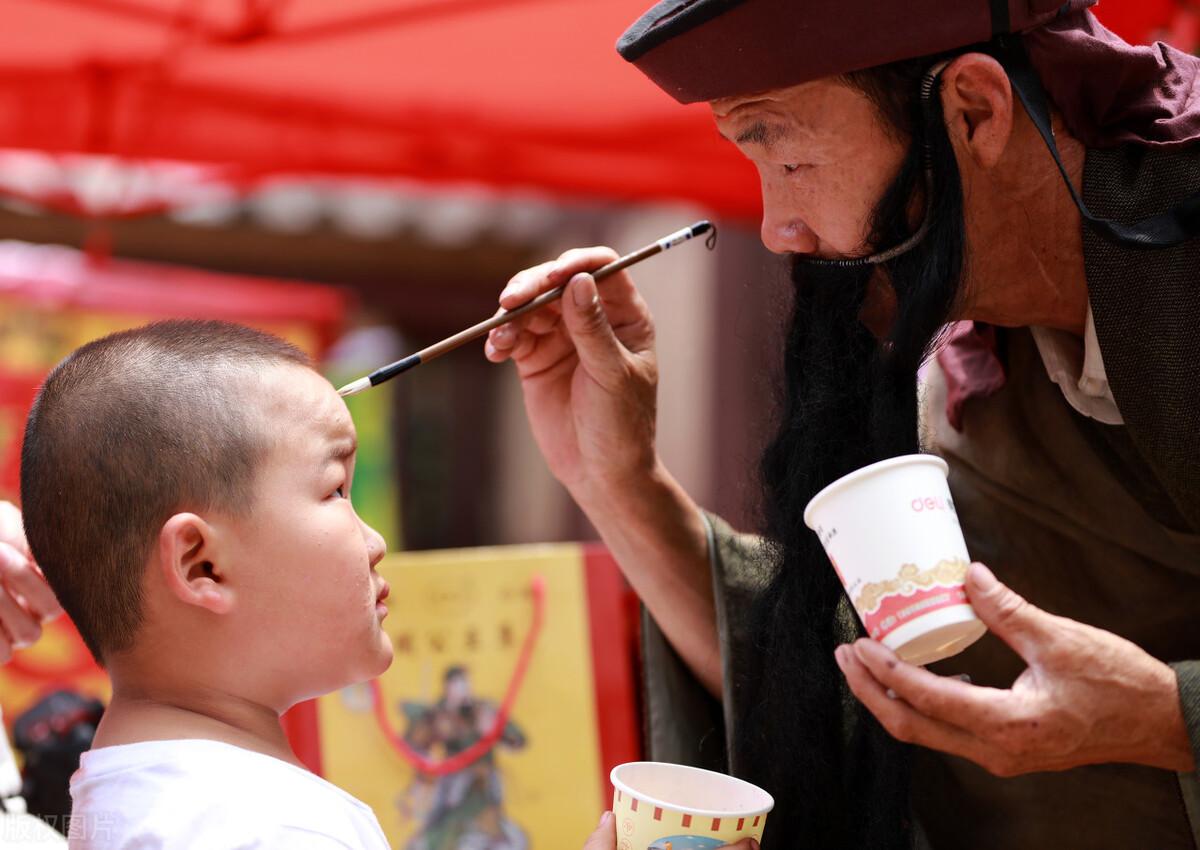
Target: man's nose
x: 786, y: 234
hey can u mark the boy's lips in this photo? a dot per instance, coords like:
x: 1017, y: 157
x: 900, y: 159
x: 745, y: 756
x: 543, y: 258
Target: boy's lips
x: 383, y: 593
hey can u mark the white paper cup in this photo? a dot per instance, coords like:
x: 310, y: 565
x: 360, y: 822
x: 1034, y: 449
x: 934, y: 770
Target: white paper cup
x: 893, y: 536
x: 660, y: 806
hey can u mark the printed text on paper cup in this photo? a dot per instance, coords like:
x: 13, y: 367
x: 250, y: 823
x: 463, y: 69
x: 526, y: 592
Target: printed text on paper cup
x: 914, y: 592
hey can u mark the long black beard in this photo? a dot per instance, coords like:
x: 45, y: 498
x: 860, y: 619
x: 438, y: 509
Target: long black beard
x: 849, y: 399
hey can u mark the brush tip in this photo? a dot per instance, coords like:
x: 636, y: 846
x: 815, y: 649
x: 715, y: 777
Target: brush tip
x: 354, y: 387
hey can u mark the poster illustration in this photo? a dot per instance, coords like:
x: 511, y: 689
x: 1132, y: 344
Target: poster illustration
x: 464, y: 807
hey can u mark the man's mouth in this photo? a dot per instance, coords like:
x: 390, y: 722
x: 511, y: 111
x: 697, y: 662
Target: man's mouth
x: 383, y: 593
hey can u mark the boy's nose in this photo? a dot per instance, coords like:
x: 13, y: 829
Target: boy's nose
x: 376, y: 545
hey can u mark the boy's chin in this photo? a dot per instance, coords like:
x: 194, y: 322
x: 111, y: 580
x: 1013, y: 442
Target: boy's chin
x: 386, y: 654
x: 370, y: 665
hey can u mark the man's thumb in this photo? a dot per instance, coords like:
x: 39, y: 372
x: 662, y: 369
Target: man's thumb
x: 1015, y: 621
x: 605, y: 836
x: 600, y: 351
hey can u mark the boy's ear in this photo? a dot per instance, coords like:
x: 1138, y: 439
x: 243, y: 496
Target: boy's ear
x: 189, y: 564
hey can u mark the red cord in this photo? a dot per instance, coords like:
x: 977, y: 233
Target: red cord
x: 484, y: 745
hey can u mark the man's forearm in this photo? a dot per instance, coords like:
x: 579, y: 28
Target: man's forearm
x: 656, y: 533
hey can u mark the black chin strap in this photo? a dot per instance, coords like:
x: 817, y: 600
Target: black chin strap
x: 1176, y: 225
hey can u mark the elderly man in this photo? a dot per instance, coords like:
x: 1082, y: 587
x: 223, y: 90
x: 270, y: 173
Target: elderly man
x: 932, y: 199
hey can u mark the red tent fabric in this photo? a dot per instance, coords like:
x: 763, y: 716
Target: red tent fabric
x: 506, y: 92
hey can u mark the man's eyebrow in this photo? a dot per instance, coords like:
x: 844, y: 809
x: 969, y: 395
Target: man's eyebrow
x: 760, y: 133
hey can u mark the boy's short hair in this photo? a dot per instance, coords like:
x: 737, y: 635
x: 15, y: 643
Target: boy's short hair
x: 126, y: 431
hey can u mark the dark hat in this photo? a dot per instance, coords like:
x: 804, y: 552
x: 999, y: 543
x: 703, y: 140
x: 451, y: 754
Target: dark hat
x: 707, y: 49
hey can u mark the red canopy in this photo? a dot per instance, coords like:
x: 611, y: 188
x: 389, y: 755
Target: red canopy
x: 505, y: 92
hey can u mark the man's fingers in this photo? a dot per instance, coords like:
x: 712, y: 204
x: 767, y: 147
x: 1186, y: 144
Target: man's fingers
x: 899, y: 718
x: 600, y: 352
x: 546, y: 276
x: 18, y: 575
x: 949, y: 700
x: 20, y: 626
x: 530, y: 283
x: 605, y: 836
x: 1020, y: 624
x: 12, y: 528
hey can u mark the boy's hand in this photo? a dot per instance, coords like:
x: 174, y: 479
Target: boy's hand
x: 605, y: 836
x: 26, y: 600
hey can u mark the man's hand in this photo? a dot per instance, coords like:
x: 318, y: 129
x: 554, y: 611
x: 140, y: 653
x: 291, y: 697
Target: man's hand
x: 588, y: 372
x: 26, y: 600
x: 1087, y: 696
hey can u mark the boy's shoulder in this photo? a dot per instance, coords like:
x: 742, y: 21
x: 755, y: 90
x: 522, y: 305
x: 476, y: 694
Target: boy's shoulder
x: 198, y: 793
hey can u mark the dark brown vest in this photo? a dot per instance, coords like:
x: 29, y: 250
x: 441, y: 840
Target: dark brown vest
x: 1146, y: 305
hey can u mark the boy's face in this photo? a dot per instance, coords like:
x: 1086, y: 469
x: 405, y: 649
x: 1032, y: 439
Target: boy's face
x: 308, y: 598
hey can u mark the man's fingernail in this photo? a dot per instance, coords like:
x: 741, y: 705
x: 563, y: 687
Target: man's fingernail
x: 583, y: 290
x: 605, y: 818
x: 504, y: 335
x: 982, y: 577
x: 516, y: 289
x: 859, y: 649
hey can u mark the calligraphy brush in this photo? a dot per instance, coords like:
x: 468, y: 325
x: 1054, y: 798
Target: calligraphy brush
x: 386, y: 373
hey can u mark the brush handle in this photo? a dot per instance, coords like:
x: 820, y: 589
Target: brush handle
x: 504, y: 317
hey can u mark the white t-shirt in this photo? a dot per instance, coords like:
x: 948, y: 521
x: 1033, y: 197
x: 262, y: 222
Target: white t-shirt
x: 206, y: 795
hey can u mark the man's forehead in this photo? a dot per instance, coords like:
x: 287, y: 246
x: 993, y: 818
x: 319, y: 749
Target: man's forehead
x: 805, y: 112
x: 726, y: 106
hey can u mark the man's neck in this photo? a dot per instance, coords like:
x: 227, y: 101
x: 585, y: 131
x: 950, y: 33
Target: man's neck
x: 172, y: 710
x: 1025, y: 258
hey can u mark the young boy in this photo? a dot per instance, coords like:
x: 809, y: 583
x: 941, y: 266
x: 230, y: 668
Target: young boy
x: 186, y: 492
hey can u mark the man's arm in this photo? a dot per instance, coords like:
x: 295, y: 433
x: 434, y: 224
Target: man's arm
x: 657, y: 534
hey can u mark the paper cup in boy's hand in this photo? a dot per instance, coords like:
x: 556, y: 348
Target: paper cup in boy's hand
x: 662, y: 806
x: 893, y: 536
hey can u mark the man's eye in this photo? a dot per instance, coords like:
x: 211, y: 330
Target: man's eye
x: 340, y: 492
x: 791, y: 169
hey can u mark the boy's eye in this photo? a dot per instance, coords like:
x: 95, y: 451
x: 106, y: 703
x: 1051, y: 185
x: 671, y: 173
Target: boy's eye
x: 340, y: 492
x: 792, y: 169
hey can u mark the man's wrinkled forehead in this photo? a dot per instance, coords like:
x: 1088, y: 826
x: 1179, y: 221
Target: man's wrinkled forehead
x: 797, y: 113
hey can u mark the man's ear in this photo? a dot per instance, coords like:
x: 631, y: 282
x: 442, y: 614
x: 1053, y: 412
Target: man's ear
x: 977, y: 104
x: 189, y: 563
